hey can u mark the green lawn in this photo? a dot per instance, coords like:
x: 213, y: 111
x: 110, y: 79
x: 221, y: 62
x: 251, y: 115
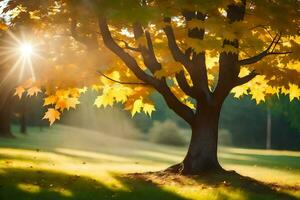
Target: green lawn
x: 64, y: 163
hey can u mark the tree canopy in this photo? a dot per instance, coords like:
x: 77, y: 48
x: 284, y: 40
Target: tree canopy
x: 191, y: 51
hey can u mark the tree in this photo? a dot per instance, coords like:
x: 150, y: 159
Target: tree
x: 6, y: 104
x: 193, y: 53
x: 23, y: 116
x: 5, y: 116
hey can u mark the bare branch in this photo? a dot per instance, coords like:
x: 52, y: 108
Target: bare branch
x: 121, y: 82
x: 280, y: 53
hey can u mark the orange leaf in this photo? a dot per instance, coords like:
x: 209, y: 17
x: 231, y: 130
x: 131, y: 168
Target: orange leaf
x: 52, y: 115
x: 33, y: 91
x: 19, y: 91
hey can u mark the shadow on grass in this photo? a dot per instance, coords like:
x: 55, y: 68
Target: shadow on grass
x: 279, y: 161
x: 25, y: 184
x: 252, y: 189
x: 21, y: 184
x: 224, y: 185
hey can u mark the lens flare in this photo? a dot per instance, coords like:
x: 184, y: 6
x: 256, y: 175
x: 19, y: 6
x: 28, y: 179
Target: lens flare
x: 26, y: 49
x: 19, y: 53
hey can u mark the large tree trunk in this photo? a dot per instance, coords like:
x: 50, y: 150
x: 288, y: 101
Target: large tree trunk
x: 5, y: 118
x: 202, y: 153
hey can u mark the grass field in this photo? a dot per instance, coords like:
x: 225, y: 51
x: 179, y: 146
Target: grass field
x: 65, y: 163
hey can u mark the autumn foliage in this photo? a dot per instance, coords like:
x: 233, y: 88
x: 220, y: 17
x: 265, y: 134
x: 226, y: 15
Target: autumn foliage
x: 76, y: 57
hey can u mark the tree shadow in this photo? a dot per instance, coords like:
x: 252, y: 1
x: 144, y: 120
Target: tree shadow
x: 22, y: 184
x: 253, y: 189
x: 224, y: 185
x: 278, y: 161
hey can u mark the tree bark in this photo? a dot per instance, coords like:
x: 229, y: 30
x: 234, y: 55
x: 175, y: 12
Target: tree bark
x: 202, y: 153
x: 5, y: 118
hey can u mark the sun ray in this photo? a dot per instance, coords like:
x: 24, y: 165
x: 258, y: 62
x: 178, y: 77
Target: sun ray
x: 19, y: 52
x: 10, y: 72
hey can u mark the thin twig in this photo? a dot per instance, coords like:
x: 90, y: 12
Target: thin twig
x: 121, y: 82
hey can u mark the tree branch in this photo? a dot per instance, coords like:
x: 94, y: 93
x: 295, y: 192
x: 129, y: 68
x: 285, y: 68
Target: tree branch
x: 127, y: 46
x: 183, y: 84
x: 195, y: 65
x: 119, y: 51
x: 245, y: 79
x: 229, y: 67
x: 265, y: 53
x: 121, y: 82
x: 198, y: 68
x: 178, y: 55
x: 147, y: 52
x: 160, y: 85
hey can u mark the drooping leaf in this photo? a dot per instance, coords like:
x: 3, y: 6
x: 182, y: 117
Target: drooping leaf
x: 52, y: 115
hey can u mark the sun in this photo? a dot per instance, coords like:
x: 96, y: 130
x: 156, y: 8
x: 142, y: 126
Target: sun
x: 26, y: 49
x: 20, y: 52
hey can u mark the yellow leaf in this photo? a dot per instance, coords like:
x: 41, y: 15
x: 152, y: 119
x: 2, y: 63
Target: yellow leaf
x: 74, y: 92
x: 52, y: 115
x: 271, y: 90
x: 83, y: 90
x: 33, y: 91
x: 244, y: 72
x: 66, y: 103
x: 258, y: 95
x: 61, y: 104
x: 62, y: 93
x: 294, y: 92
x: 50, y: 100
x: 121, y: 93
x: 104, y: 100
x: 19, y: 91
x: 72, y: 102
x: 137, y: 107
x: 239, y: 91
x: 148, y: 108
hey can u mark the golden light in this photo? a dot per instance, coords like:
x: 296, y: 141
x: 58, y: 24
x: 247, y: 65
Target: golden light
x: 26, y: 49
x: 19, y: 53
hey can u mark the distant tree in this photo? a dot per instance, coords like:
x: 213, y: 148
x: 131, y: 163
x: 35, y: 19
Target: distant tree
x: 193, y: 53
x: 289, y: 110
x: 251, y: 131
x: 5, y: 116
x: 23, y: 116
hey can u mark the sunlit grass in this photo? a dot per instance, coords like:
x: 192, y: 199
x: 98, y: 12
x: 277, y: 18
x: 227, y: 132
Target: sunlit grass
x: 70, y: 163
